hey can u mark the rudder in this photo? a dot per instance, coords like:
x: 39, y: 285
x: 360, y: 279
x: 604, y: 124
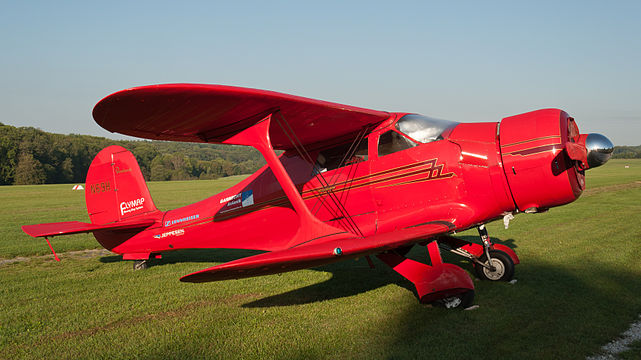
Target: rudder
x: 115, y: 188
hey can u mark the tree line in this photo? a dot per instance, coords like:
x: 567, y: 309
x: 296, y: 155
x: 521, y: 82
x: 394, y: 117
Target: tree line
x: 32, y: 156
x: 627, y: 152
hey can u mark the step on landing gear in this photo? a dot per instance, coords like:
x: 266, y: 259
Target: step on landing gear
x: 441, y: 283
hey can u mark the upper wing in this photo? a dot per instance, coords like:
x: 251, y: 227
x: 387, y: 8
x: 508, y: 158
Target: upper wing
x: 316, y: 253
x: 213, y: 113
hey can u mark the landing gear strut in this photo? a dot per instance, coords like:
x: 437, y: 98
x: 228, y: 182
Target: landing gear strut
x: 494, y: 262
x: 500, y: 267
x: 448, y: 285
x: 494, y: 265
x: 487, y: 245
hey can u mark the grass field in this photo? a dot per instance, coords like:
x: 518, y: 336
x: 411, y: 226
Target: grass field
x: 579, y: 287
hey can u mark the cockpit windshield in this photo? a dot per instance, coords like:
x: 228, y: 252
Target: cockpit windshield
x: 422, y: 128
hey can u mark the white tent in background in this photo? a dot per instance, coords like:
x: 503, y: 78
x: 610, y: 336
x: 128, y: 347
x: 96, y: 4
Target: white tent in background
x: 78, y: 187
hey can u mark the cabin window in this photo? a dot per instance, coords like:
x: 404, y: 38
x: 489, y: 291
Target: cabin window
x: 391, y: 142
x: 338, y: 156
x: 424, y: 129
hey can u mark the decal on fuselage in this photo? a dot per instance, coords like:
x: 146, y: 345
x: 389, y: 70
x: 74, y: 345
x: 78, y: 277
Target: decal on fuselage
x: 422, y: 171
x: 528, y: 147
x: 121, y: 171
x: 536, y: 150
x: 177, y: 232
x: 100, y: 187
x: 426, y: 171
x: 244, y: 199
x: 181, y: 220
x: 131, y: 206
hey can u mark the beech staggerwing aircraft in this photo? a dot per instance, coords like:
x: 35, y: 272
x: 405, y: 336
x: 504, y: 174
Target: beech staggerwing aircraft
x: 350, y: 182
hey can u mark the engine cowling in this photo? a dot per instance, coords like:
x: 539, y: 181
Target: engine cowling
x: 544, y: 158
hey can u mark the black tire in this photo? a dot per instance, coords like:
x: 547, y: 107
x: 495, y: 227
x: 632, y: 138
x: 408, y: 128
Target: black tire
x: 140, y: 264
x: 503, y: 264
x: 460, y: 301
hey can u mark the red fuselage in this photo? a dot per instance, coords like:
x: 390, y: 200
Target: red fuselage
x: 473, y: 173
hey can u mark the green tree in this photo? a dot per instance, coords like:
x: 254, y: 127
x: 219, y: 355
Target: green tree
x: 66, y: 171
x: 29, y: 170
x: 159, y: 171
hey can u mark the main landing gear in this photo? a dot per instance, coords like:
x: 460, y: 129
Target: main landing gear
x: 495, y: 264
x: 441, y: 283
x: 446, y: 284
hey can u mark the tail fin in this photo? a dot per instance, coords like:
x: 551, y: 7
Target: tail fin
x: 115, y: 189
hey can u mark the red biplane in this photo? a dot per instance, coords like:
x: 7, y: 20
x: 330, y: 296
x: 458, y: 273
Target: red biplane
x: 351, y: 182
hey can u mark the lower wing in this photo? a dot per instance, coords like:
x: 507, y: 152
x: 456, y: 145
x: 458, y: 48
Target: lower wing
x: 317, y: 253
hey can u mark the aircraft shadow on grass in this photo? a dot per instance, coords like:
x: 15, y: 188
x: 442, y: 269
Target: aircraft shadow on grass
x: 539, y: 311
x: 349, y: 277
x: 553, y: 312
x: 548, y: 306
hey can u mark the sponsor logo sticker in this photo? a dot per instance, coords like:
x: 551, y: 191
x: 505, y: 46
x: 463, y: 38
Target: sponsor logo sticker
x: 244, y: 199
x: 177, y: 232
x: 131, y: 206
x: 181, y: 220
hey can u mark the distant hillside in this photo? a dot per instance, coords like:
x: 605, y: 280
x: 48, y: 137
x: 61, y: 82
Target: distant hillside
x: 627, y: 152
x: 33, y: 156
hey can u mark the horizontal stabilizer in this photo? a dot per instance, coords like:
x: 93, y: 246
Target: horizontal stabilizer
x: 316, y: 253
x: 76, y: 227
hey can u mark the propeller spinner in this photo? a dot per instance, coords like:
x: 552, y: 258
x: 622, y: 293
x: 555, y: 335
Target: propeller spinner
x: 599, y: 148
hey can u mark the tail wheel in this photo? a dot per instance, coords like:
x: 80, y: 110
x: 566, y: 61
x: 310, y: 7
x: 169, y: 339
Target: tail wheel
x: 503, y: 267
x: 141, y: 264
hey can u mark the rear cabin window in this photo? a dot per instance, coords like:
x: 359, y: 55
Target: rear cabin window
x: 339, y: 156
x: 391, y: 142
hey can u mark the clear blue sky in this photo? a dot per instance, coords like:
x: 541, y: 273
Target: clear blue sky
x: 463, y: 61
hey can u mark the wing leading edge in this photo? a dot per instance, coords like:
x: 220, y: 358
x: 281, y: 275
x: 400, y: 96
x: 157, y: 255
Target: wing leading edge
x: 214, y: 113
x: 317, y: 253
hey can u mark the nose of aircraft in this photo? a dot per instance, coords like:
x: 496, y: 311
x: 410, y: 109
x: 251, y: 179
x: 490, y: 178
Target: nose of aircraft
x: 545, y: 157
x: 599, y: 148
x: 589, y: 150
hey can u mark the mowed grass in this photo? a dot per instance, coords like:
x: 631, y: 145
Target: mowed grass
x: 579, y: 287
x: 34, y: 204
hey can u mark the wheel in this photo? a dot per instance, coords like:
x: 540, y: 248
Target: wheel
x: 140, y: 264
x: 503, y: 267
x: 460, y: 301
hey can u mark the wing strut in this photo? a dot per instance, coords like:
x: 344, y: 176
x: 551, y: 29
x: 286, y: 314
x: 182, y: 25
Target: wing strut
x: 311, y: 227
x: 291, y: 135
x: 51, y: 247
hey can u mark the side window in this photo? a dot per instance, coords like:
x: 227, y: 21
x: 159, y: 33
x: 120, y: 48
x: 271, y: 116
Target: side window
x: 338, y: 156
x: 391, y: 142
